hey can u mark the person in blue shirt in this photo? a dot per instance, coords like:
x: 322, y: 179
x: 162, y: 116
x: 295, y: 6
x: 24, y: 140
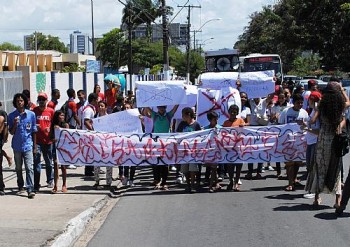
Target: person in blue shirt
x: 22, y: 125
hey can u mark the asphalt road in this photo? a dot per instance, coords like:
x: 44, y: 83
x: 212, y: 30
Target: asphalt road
x: 262, y: 214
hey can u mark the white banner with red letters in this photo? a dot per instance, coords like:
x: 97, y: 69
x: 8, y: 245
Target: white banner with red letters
x: 225, y: 145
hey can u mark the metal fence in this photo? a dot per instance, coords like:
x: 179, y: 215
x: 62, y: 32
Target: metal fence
x: 10, y: 84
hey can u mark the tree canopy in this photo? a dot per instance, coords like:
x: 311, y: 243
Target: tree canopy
x: 47, y: 42
x: 293, y: 26
x: 6, y: 46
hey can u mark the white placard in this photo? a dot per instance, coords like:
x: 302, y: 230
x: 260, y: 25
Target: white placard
x: 120, y: 122
x: 157, y: 93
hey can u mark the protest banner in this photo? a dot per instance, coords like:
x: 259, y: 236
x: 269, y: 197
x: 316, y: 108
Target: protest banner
x: 191, y: 94
x: 157, y: 93
x: 127, y: 121
x: 255, y: 84
x: 216, y: 100
x: 226, y: 145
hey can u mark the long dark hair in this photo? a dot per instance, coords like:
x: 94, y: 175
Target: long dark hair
x: 332, y: 106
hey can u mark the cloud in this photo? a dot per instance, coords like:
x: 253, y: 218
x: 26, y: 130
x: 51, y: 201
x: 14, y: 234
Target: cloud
x: 62, y: 17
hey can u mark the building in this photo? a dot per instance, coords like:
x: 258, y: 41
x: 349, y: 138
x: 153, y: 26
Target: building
x: 178, y: 34
x: 46, y: 60
x: 79, y: 43
x: 28, y: 42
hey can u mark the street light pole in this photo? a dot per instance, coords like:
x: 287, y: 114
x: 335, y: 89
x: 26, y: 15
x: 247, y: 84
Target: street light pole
x: 92, y: 28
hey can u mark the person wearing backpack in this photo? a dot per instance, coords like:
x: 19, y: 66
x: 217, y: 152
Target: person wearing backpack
x: 161, y: 124
x: 70, y: 110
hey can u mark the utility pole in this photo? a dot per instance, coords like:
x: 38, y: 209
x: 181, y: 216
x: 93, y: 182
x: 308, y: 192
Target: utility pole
x: 188, y: 45
x: 36, y: 51
x: 165, y: 41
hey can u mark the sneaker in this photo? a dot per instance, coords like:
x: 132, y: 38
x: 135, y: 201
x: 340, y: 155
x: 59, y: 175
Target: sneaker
x: 262, y: 170
x: 124, y: 181
x: 184, y: 179
x: 179, y: 180
x: 173, y: 168
x: 309, y: 195
x: 31, y: 195
x: 50, y: 185
x: 72, y: 167
x: 270, y: 168
x: 21, y: 191
x: 2, y: 193
x: 239, y: 182
x: 131, y: 183
x: 220, y: 179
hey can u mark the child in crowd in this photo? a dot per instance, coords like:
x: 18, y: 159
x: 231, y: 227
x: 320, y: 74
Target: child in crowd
x: 212, y: 168
x: 234, y: 121
x: 58, y: 122
x: 189, y: 124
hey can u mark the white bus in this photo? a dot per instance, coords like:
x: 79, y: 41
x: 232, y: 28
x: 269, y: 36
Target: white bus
x: 261, y: 62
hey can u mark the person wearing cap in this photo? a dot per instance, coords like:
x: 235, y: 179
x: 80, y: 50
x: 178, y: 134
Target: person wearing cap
x: 44, y: 116
x: 311, y: 87
x: 22, y: 125
x: 312, y: 128
x: 111, y: 93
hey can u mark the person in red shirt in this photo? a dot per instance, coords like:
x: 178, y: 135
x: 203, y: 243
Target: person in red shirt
x: 234, y: 121
x: 111, y: 94
x: 72, y: 114
x: 44, y: 117
x: 30, y: 106
x: 55, y: 96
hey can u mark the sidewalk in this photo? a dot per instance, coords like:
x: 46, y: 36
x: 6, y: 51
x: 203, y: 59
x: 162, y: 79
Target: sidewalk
x: 42, y: 220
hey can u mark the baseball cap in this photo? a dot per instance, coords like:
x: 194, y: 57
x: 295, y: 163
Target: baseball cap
x: 42, y: 95
x: 315, y: 96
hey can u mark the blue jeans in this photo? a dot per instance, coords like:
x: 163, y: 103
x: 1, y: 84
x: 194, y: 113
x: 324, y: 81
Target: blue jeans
x: 46, y: 151
x: 27, y: 158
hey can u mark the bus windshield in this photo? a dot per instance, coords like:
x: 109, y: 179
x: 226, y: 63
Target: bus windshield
x: 263, y: 62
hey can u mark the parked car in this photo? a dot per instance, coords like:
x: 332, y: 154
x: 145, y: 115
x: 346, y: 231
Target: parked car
x: 293, y: 78
x: 308, y: 77
x: 321, y: 84
x: 325, y: 78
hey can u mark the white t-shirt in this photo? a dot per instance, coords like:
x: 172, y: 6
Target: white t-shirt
x: 245, y: 112
x: 306, y: 95
x: 310, y: 137
x: 289, y: 115
x: 87, y: 113
x: 257, y: 109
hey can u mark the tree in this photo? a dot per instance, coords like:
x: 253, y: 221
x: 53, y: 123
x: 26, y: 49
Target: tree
x: 113, y: 49
x: 197, y: 65
x: 47, y: 43
x: 294, y: 26
x: 6, y: 46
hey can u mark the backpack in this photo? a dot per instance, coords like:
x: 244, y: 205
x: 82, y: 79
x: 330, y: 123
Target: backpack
x: 64, y: 109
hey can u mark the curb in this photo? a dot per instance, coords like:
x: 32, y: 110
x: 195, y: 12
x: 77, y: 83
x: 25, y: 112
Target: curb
x: 76, y: 226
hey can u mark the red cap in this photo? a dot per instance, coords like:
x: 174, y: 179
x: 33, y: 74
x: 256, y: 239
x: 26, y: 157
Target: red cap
x: 315, y: 96
x: 312, y: 82
x: 42, y: 95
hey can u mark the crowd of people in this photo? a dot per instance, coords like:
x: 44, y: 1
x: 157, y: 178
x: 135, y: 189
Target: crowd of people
x: 319, y: 114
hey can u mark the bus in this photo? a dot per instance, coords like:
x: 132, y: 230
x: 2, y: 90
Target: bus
x: 261, y: 62
x: 223, y: 60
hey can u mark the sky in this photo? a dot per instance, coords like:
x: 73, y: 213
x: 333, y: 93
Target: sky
x: 61, y: 17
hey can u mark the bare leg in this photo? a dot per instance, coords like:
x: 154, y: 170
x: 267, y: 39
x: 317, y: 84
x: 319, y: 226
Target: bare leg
x: 64, y: 178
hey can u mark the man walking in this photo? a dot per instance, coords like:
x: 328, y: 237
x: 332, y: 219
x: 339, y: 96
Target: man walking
x: 44, y: 117
x: 3, y: 139
x: 22, y: 125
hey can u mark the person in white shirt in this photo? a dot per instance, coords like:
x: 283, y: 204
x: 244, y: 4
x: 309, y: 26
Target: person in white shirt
x: 298, y: 115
